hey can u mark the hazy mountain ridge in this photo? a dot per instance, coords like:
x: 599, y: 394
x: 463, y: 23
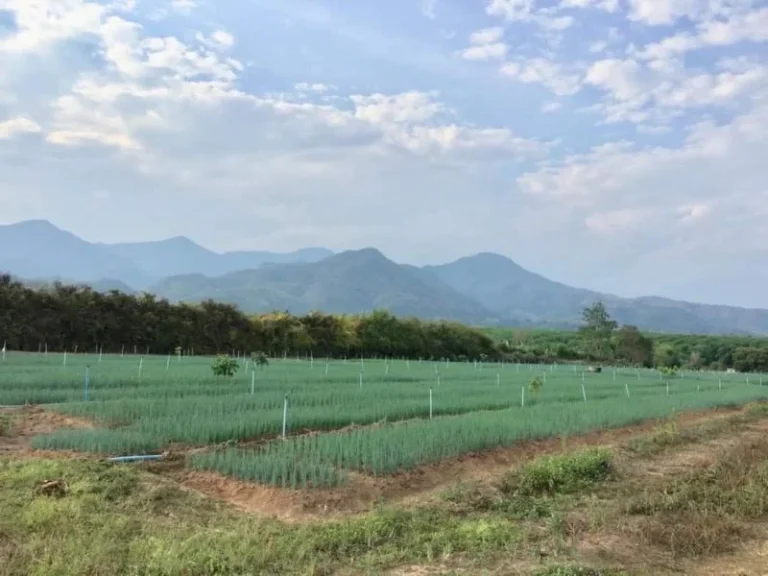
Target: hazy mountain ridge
x: 485, y: 289
x: 351, y: 282
x: 36, y: 249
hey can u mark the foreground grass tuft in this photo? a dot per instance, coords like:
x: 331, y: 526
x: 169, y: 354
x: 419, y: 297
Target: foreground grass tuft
x: 560, y: 474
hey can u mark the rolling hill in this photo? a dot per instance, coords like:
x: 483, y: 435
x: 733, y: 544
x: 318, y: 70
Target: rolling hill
x: 350, y: 282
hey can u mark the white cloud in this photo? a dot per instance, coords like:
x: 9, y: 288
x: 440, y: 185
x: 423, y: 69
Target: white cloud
x: 410, y: 107
x: 486, y: 45
x: 428, y: 8
x: 666, y: 12
x: 16, y: 126
x: 511, y: 10
x: 525, y: 11
x: 496, y: 51
x: 315, y: 87
x: 486, y: 36
x: 607, y: 5
x: 551, y: 106
x: 183, y: 6
x: 750, y: 26
x: 660, y: 90
x: 560, y: 81
x: 40, y: 23
x: 706, y: 165
x: 218, y: 40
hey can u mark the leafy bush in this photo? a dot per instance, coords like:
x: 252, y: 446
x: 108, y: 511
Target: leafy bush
x: 259, y: 359
x: 225, y: 366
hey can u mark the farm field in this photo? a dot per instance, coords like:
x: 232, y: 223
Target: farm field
x: 386, y: 416
x: 499, y: 481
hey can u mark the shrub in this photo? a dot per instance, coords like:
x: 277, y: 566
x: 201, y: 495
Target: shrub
x: 225, y: 366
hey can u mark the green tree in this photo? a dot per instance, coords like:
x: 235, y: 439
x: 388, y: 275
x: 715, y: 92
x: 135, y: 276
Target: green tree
x: 666, y: 356
x: 633, y: 347
x: 596, y: 330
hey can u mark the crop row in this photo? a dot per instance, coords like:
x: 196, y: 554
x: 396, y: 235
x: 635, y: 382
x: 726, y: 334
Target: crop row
x: 306, y: 461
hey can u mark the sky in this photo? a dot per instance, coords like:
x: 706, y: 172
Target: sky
x: 618, y: 145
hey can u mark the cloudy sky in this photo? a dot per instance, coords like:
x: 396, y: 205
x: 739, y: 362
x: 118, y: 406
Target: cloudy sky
x: 620, y: 145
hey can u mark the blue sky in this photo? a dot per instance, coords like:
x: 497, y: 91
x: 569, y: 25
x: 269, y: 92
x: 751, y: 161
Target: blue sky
x: 618, y: 145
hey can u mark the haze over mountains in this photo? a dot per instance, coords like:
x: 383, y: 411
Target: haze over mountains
x: 485, y: 289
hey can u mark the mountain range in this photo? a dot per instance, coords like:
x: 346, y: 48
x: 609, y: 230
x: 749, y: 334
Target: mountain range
x: 484, y: 289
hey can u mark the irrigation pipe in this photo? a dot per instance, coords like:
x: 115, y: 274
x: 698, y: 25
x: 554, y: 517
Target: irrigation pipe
x: 143, y: 458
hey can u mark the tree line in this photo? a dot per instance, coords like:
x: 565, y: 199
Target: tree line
x: 600, y: 339
x: 77, y: 318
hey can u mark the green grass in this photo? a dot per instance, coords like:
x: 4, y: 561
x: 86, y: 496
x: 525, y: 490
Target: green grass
x: 119, y: 520
x: 562, y: 473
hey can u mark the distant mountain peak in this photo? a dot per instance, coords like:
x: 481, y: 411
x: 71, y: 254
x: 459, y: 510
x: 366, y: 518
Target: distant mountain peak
x: 37, y: 226
x: 489, y: 259
x: 181, y: 240
x: 363, y: 255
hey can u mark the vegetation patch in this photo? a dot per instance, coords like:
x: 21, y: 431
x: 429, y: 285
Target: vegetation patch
x: 120, y: 520
x: 560, y: 474
x: 705, y: 511
x: 579, y: 571
x: 5, y: 425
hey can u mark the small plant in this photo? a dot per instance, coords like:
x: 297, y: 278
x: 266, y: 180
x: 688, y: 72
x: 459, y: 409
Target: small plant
x: 259, y: 359
x: 225, y: 366
x: 535, y: 385
x: 668, y: 371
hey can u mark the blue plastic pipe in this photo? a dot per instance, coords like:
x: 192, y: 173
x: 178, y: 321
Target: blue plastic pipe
x: 135, y: 458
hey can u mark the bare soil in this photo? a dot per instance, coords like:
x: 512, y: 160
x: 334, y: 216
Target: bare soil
x: 31, y: 421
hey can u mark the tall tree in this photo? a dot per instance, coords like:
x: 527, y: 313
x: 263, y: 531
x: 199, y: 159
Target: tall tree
x: 596, y: 330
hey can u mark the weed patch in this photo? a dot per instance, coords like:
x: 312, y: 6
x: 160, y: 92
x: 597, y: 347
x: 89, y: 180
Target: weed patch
x: 578, y: 571
x: 706, y: 511
x: 561, y: 474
